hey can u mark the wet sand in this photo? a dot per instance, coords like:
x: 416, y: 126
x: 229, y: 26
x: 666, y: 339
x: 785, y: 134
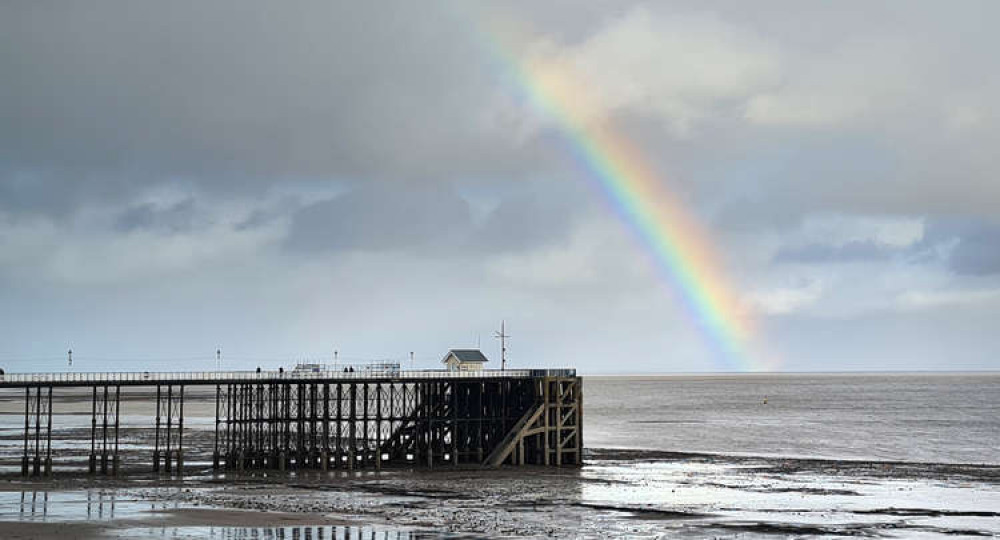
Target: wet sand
x: 616, y: 494
x: 167, y: 520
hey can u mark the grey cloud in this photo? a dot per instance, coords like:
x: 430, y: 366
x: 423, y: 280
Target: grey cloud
x: 535, y: 218
x: 176, y: 217
x: 313, y: 89
x: 263, y: 215
x: 966, y: 246
x: 857, y: 251
x: 975, y: 249
x: 57, y: 193
x: 977, y: 256
x: 408, y: 216
x: 237, y: 98
x: 256, y: 219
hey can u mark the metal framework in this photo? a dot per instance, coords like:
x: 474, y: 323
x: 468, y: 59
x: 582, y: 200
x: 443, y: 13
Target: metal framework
x: 104, y: 439
x: 37, y: 457
x: 298, y: 423
x: 168, y: 438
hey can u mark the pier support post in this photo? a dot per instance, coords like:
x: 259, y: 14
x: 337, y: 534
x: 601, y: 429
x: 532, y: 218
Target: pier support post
x: 454, y: 422
x: 215, y: 451
x: 428, y: 391
x: 352, y: 426
x: 93, y: 432
x: 325, y: 453
x: 365, y: 434
x: 115, y: 459
x: 378, y: 426
x: 167, y: 466
x: 180, y: 434
x: 156, y: 434
x: 37, y: 470
x: 104, y: 431
x: 48, y: 437
x: 25, y: 460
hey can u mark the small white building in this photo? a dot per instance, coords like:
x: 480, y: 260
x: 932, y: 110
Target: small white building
x: 464, y: 360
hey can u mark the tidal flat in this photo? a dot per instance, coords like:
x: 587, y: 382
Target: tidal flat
x: 617, y: 493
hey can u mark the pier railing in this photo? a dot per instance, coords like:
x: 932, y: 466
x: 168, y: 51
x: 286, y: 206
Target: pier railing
x: 134, y: 377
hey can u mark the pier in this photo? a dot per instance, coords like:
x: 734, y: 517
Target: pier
x: 313, y: 420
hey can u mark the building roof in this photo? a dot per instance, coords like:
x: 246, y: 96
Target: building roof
x: 466, y: 355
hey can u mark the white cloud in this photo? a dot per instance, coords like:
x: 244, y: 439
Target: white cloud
x: 854, y: 80
x: 787, y: 300
x: 936, y: 299
x: 841, y: 229
x: 37, y: 250
x: 678, y: 67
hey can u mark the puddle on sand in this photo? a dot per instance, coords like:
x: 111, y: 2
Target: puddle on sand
x: 274, y: 533
x: 107, y: 506
x: 85, y: 505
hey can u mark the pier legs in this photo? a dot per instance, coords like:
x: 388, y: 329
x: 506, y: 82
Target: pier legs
x: 171, y: 434
x: 104, y: 427
x: 36, y: 460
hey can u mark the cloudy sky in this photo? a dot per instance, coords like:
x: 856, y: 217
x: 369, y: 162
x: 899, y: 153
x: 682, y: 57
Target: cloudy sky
x: 282, y: 180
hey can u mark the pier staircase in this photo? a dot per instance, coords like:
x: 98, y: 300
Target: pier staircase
x: 514, y: 440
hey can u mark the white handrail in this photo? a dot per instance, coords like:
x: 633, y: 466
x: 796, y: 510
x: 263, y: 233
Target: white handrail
x: 224, y: 376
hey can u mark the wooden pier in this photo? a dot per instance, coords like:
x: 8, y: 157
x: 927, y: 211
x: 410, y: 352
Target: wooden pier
x: 286, y: 421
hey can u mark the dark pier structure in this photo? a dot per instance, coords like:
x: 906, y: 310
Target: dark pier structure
x: 321, y: 420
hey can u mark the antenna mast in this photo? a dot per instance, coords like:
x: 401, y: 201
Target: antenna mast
x: 502, y: 336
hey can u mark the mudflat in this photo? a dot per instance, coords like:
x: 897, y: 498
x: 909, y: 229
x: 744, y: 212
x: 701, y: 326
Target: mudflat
x: 615, y: 494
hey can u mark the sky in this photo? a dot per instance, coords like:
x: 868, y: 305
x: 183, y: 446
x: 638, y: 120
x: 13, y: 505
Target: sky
x: 280, y: 181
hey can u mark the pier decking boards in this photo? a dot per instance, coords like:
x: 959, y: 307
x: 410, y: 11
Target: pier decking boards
x: 326, y: 420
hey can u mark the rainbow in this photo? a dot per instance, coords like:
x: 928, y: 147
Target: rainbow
x: 677, y: 245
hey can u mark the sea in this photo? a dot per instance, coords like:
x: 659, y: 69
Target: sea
x: 916, y: 417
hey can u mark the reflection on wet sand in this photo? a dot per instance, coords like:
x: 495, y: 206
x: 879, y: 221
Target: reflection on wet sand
x: 105, y: 506
x: 331, y: 532
x: 33, y: 505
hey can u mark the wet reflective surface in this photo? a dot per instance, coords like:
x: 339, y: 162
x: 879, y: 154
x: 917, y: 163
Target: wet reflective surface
x: 118, y: 507
x: 272, y: 533
x: 78, y: 505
